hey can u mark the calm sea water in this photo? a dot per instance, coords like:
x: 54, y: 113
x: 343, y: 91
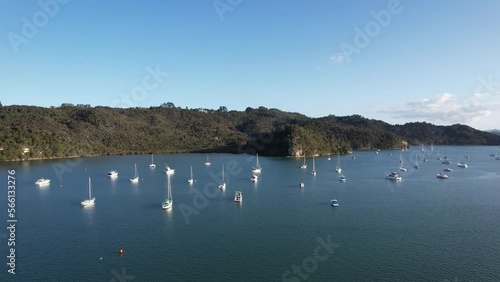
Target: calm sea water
x: 420, y: 229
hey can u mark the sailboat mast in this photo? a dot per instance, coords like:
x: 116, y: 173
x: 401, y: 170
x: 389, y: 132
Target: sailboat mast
x: 222, y: 173
x: 90, y: 190
x: 169, y: 189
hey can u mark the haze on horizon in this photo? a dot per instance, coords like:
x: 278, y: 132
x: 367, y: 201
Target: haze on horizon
x: 396, y: 61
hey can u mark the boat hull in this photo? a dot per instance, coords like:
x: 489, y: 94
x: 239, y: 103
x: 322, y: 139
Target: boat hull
x: 167, y: 204
x: 88, y: 203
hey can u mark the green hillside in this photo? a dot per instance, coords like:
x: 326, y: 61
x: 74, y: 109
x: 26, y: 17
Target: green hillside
x: 80, y: 131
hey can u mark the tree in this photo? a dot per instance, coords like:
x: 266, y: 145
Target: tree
x: 168, y: 105
x: 222, y: 109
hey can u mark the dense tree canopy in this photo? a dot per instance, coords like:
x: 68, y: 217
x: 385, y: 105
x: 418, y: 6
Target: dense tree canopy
x: 82, y: 131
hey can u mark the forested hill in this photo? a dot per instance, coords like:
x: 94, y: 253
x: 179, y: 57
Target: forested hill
x: 34, y: 132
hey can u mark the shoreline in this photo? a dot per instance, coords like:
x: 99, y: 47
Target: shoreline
x: 207, y: 151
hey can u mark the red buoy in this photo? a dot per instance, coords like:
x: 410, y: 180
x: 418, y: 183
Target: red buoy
x: 120, y: 252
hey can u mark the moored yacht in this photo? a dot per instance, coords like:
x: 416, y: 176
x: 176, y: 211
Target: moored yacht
x: 314, y: 168
x: 152, y: 164
x: 338, y: 169
x: 112, y: 174
x: 90, y: 200
x: 304, y: 166
x: 168, y: 202
x: 393, y: 176
x: 169, y: 170
x: 135, y: 178
x: 42, y: 182
x: 342, y: 178
x: 442, y: 176
x: 462, y: 164
x: 222, y: 185
x: 238, y: 197
x: 191, y: 179
x: 254, y: 178
x: 257, y: 168
x: 334, y: 202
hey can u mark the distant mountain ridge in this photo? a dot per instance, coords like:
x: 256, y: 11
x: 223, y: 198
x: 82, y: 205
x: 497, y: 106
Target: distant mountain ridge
x: 495, y: 131
x: 28, y: 132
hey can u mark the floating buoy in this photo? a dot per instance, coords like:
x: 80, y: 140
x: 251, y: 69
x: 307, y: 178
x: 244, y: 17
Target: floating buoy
x: 120, y: 252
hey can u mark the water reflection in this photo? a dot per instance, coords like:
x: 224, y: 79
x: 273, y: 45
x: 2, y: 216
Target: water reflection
x: 88, y: 214
x: 169, y: 216
x: 43, y: 191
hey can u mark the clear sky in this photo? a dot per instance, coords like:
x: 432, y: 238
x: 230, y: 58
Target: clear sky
x: 434, y: 61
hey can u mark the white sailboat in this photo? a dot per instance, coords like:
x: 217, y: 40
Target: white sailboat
x: 304, y: 166
x: 167, y: 204
x: 222, y: 185
x: 191, y: 179
x: 446, y: 160
x: 135, y: 178
x: 257, y: 168
x: 152, y: 165
x: 90, y: 201
x: 314, y: 168
x: 402, y: 167
x: 207, y: 163
x: 416, y: 161
x: 338, y: 169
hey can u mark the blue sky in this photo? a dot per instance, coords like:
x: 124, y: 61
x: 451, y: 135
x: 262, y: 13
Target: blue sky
x: 434, y: 61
